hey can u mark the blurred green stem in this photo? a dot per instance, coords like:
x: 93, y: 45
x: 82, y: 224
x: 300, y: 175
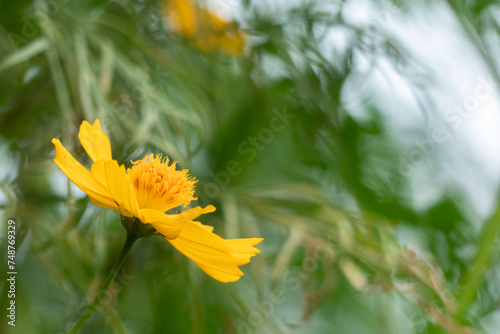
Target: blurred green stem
x: 480, y: 263
x: 129, y: 242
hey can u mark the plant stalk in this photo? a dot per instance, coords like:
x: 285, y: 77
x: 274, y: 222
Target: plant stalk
x: 129, y: 242
x: 480, y: 263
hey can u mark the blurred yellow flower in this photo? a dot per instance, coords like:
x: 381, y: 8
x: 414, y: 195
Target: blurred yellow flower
x: 203, y: 28
x: 145, y: 192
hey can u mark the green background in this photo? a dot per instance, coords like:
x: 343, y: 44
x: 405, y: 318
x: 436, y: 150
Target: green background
x: 291, y: 142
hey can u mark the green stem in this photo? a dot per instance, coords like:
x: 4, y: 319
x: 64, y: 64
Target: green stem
x: 480, y: 263
x: 131, y: 238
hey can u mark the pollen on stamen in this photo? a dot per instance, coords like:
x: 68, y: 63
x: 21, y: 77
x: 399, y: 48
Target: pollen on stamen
x: 159, y: 185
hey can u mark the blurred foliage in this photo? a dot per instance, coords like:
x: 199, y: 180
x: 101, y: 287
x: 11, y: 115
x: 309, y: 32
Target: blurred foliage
x: 277, y: 146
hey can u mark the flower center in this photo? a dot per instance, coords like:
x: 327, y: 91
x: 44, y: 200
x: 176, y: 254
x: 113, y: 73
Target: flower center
x: 159, y: 186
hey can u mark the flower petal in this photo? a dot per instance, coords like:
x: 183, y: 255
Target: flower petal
x: 190, y: 214
x: 206, y: 227
x: 230, y: 42
x: 94, y: 141
x: 119, y: 185
x: 160, y: 222
x: 182, y: 15
x: 243, y: 247
x: 103, y: 205
x: 211, y: 253
x: 98, y: 171
x: 80, y: 175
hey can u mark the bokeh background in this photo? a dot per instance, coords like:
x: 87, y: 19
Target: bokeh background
x: 359, y: 138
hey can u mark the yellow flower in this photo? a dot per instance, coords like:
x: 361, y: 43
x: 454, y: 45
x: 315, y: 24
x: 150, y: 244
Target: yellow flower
x: 203, y: 28
x: 145, y: 192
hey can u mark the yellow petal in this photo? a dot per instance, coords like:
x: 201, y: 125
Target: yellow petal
x: 211, y: 253
x: 188, y: 215
x: 119, y: 185
x: 206, y: 227
x: 94, y: 141
x: 81, y: 176
x: 231, y: 42
x: 103, y: 205
x: 182, y: 15
x: 98, y: 171
x: 160, y: 222
x: 243, y: 247
x: 203, y: 28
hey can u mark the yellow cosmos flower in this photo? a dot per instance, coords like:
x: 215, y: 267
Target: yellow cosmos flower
x: 144, y: 192
x: 203, y: 28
